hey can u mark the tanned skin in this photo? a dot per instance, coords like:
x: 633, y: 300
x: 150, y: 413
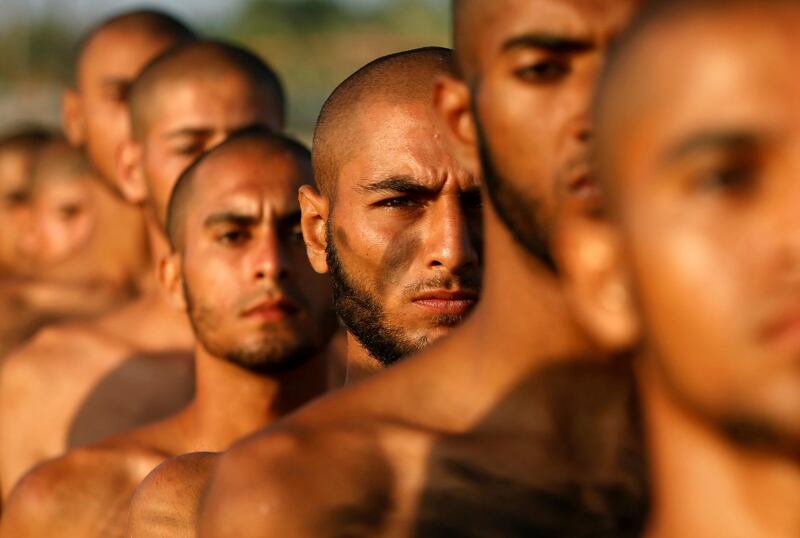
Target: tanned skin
x: 464, y: 438
x: 133, y: 366
x: 694, y: 272
x: 252, y: 295
x: 404, y: 216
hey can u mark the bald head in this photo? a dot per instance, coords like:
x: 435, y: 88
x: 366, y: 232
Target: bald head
x: 205, y: 61
x: 149, y: 23
x: 626, y: 86
x: 403, y: 78
x: 246, y: 143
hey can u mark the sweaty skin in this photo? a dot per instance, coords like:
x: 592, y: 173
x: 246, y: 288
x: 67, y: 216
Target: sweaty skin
x: 241, y: 246
x: 473, y: 436
x: 694, y: 272
x: 95, y: 379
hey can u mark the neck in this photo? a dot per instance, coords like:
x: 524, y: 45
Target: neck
x: 523, y: 315
x: 232, y: 402
x: 360, y: 364
x: 705, y: 485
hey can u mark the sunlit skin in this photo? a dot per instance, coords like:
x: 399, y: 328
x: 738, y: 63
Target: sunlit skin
x: 457, y: 439
x: 241, y: 270
x: 699, y: 267
x: 405, y: 219
x: 147, y: 339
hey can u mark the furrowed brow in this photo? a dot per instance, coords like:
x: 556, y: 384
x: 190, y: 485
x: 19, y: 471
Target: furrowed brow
x: 399, y: 184
x: 548, y: 42
x: 238, y: 219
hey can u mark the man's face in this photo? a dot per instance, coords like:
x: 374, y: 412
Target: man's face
x: 252, y: 295
x: 537, y: 62
x: 15, y: 170
x: 109, y: 65
x: 191, y: 117
x: 709, y: 210
x: 404, y: 234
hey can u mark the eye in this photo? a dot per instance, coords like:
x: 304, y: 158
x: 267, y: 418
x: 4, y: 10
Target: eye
x: 400, y: 202
x: 472, y: 201
x: 731, y: 177
x: 70, y: 211
x: 234, y: 237
x: 189, y: 149
x: 544, y: 72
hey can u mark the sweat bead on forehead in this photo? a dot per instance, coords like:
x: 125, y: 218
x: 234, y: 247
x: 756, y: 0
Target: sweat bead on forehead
x: 406, y: 78
x: 255, y: 146
x: 211, y: 63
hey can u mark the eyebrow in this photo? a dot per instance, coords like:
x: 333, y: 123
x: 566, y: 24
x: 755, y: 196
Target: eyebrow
x: 401, y: 184
x: 189, y: 131
x: 549, y: 42
x: 229, y: 217
x: 713, y: 140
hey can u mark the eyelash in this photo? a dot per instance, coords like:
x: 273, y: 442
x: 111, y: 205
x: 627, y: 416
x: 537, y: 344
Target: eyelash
x: 537, y: 72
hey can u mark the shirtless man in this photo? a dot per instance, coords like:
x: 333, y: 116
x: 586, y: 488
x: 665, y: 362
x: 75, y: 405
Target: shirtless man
x: 465, y: 439
x: 88, y: 381
x: 695, y: 270
x: 261, y: 317
x: 397, y: 226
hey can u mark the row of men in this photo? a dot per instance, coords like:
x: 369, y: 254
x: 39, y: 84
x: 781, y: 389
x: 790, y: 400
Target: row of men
x: 629, y: 368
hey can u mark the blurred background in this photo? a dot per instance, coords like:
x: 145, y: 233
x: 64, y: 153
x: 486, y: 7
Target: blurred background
x: 313, y: 44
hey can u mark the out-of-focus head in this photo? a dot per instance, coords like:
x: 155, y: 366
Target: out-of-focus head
x: 184, y: 103
x: 239, y: 259
x: 62, y: 204
x: 107, y: 60
x: 698, y: 142
x: 520, y: 108
x: 18, y: 152
x: 397, y: 220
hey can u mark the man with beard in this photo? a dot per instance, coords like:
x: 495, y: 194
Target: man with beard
x: 695, y: 271
x: 88, y: 381
x: 261, y: 317
x: 396, y: 225
x: 485, y: 433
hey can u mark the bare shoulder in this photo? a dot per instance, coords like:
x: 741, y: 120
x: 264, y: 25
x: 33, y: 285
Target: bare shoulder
x: 316, y: 482
x: 167, y: 502
x: 83, y: 493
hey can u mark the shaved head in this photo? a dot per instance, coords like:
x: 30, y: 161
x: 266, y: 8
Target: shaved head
x: 465, y: 13
x: 401, y: 78
x: 206, y: 61
x: 268, y: 143
x: 147, y: 22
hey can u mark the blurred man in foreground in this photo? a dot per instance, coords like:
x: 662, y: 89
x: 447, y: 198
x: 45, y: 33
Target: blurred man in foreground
x: 88, y: 381
x: 696, y: 269
x: 261, y: 317
x: 466, y: 438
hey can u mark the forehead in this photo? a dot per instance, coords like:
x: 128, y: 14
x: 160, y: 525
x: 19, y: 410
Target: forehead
x: 225, y: 101
x: 246, y: 178
x: 734, y: 74
x: 119, y: 54
x: 15, y: 168
x: 590, y: 19
x: 400, y: 140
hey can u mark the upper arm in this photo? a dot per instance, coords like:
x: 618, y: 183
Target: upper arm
x: 167, y: 502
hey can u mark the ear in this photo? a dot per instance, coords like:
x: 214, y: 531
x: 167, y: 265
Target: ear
x: 453, y: 104
x: 73, y: 118
x: 130, y: 172
x: 597, y: 282
x: 315, y: 207
x: 170, y: 278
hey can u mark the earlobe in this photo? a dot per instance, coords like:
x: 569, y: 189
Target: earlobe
x: 171, y: 280
x: 452, y: 101
x: 130, y: 174
x: 72, y: 118
x: 598, y: 284
x: 314, y: 207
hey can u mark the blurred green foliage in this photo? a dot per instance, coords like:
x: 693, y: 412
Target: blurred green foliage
x: 313, y: 44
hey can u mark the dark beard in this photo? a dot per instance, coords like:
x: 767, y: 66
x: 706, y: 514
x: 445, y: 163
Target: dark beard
x: 520, y: 213
x: 280, y: 351
x: 364, y: 317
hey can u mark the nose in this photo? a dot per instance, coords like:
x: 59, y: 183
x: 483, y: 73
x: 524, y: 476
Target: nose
x: 451, y: 242
x: 30, y: 239
x: 270, y: 260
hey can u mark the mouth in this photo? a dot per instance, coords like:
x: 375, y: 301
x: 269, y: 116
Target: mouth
x: 271, y: 310
x: 456, y: 302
